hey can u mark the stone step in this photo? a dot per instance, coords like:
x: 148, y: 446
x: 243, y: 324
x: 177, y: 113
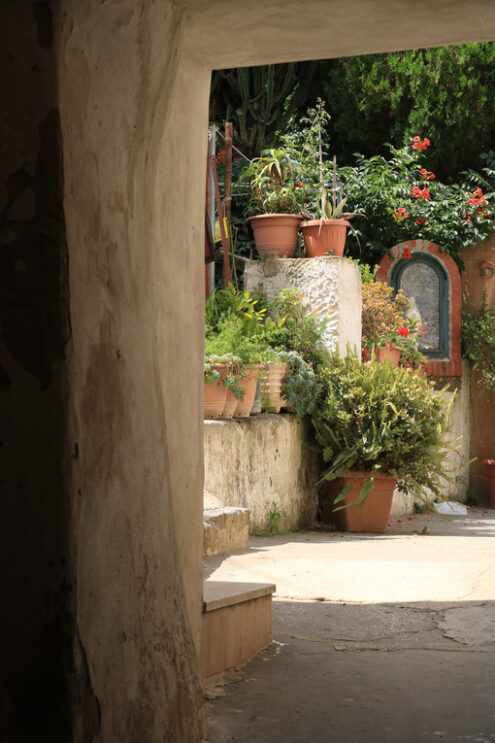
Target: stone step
x: 237, y: 624
x: 225, y: 529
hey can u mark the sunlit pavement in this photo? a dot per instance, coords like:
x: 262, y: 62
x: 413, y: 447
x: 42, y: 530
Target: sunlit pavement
x: 385, y: 637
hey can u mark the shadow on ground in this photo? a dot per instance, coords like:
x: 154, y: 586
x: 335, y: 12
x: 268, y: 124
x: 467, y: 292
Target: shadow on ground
x: 359, y: 673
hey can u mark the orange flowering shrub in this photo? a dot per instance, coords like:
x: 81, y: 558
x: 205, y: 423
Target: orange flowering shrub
x: 382, y: 312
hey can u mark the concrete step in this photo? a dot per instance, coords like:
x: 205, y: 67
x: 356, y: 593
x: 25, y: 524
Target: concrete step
x: 237, y: 624
x: 225, y: 529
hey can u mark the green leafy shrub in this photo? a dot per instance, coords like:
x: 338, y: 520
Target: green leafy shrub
x: 301, y: 388
x: 382, y: 420
x: 382, y: 311
x: 401, y: 199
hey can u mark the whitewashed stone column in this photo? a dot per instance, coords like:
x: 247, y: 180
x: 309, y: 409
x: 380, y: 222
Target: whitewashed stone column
x: 330, y: 286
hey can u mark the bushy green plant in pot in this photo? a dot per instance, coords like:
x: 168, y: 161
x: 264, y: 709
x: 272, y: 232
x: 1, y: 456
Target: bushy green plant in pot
x: 379, y: 427
x: 274, y: 209
x: 231, y: 337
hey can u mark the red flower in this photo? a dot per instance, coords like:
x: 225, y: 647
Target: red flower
x: 423, y: 172
x: 298, y: 184
x: 421, y: 193
x: 431, y: 176
x: 467, y: 218
x: 219, y: 159
x: 421, y: 220
x: 420, y: 144
x: 235, y: 159
x: 407, y: 253
x: 403, y: 331
x: 222, y: 152
x: 365, y: 354
x: 478, y: 199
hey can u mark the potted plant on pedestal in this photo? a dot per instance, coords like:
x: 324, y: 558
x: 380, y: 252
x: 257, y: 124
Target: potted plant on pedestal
x: 273, y: 203
x: 325, y: 226
x: 379, y: 428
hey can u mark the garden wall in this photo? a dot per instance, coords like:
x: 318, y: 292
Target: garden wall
x: 261, y: 460
x: 460, y: 419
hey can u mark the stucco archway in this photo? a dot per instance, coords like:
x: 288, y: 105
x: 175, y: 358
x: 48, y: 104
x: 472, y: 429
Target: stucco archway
x: 131, y: 81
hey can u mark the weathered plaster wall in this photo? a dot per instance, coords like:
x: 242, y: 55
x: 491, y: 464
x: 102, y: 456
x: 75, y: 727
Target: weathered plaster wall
x: 34, y: 327
x: 136, y: 279
x: 457, y: 461
x: 474, y: 284
x: 132, y: 90
x: 260, y: 460
x: 330, y: 287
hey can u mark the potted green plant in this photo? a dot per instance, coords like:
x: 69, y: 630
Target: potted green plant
x: 215, y: 392
x: 273, y: 205
x: 379, y: 428
x: 325, y: 226
x: 383, y: 314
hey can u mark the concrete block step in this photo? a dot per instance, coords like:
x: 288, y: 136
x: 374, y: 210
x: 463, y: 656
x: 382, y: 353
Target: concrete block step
x: 237, y: 624
x: 225, y: 529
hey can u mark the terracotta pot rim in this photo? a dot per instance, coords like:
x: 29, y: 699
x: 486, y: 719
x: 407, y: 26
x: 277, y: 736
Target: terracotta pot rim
x: 313, y: 222
x: 275, y: 214
x: 355, y: 474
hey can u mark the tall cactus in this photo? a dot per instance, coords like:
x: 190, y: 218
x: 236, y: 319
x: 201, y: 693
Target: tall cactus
x: 260, y: 100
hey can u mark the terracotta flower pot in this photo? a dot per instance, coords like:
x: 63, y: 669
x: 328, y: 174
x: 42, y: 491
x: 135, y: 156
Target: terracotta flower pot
x: 324, y: 237
x: 490, y: 465
x: 248, y: 385
x: 390, y: 352
x: 256, y: 409
x: 275, y: 234
x: 374, y: 515
x: 215, y: 394
x: 230, y: 405
x: 271, y: 386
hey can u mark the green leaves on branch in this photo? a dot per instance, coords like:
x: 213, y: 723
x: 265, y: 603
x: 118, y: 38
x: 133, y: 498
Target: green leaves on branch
x: 378, y: 419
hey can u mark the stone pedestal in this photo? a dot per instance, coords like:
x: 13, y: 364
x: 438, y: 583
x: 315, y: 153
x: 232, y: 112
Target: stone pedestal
x: 330, y: 286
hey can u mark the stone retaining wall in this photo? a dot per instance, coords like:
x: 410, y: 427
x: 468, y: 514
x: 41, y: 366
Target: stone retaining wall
x: 261, y: 460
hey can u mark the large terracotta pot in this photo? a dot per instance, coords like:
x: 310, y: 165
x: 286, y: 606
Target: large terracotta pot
x: 324, y: 237
x: 271, y: 386
x: 248, y: 385
x: 275, y: 234
x: 490, y: 465
x: 374, y: 515
x: 215, y: 393
x: 390, y: 352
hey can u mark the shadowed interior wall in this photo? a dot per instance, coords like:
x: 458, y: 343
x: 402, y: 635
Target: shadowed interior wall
x: 35, y: 636
x: 105, y: 565
x: 133, y: 117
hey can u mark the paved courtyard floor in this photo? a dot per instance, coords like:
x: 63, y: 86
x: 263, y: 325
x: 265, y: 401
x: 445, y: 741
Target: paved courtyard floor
x: 376, y: 637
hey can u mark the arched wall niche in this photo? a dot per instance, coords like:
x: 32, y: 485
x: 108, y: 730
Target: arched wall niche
x: 438, y: 272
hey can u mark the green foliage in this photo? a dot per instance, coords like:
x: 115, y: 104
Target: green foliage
x: 301, y: 389
x: 401, y: 199
x: 272, y: 178
x: 385, y: 421
x: 419, y: 507
x: 445, y: 94
x: 296, y: 327
x: 382, y: 312
x: 478, y: 342
x: 260, y: 101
